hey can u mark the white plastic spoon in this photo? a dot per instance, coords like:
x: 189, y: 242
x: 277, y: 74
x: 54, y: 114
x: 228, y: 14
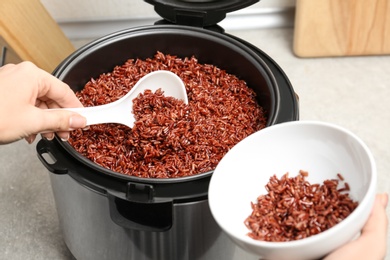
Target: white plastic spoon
x: 121, y: 111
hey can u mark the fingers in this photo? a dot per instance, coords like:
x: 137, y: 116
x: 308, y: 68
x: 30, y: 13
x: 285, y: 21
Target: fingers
x: 30, y: 139
x: 48, y: 136
x: 378, y: 219
x: 59, y: 95
x: 374, y: 232
x: 384, y: 199
x: 50, y: 88
x: 47, y: 121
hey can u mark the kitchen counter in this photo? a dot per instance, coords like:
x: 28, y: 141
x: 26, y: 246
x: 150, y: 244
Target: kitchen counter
x: 350, y: 91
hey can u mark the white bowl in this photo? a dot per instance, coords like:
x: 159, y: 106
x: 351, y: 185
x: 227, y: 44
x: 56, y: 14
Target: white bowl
x: 323, y: 150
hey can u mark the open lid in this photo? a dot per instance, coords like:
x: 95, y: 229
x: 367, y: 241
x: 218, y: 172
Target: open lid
x: 199, y: 13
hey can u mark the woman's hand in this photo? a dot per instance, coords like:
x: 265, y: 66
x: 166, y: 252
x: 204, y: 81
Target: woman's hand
x: 27, y: 92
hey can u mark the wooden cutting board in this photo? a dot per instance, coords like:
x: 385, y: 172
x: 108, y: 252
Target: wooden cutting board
x: 341, y: 28
x: 28, y: 31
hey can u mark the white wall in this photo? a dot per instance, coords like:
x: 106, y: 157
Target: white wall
x: 97, y: 10
x: 88, y: 19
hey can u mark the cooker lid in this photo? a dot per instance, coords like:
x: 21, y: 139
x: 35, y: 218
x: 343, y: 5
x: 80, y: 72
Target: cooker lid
x: 199, y: 13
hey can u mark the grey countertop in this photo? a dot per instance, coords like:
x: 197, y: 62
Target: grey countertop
x: 353, y: 92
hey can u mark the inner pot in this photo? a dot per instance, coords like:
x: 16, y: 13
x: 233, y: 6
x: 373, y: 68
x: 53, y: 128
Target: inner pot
x: 209, y: 47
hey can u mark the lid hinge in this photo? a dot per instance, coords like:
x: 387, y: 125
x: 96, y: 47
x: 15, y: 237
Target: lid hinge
x: 198, y: 19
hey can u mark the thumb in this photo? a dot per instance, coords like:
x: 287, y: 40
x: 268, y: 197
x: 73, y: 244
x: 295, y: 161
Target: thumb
x: 378, y: 218
x: 52, y: 120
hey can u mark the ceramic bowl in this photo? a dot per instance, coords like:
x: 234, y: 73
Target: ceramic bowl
x: 323, y: 150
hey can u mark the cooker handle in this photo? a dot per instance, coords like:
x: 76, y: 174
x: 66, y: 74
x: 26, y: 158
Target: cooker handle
x: 142, y: 216
x: 45, y: 150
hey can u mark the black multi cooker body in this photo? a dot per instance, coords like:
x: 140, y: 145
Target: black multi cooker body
x: 108, y: 215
